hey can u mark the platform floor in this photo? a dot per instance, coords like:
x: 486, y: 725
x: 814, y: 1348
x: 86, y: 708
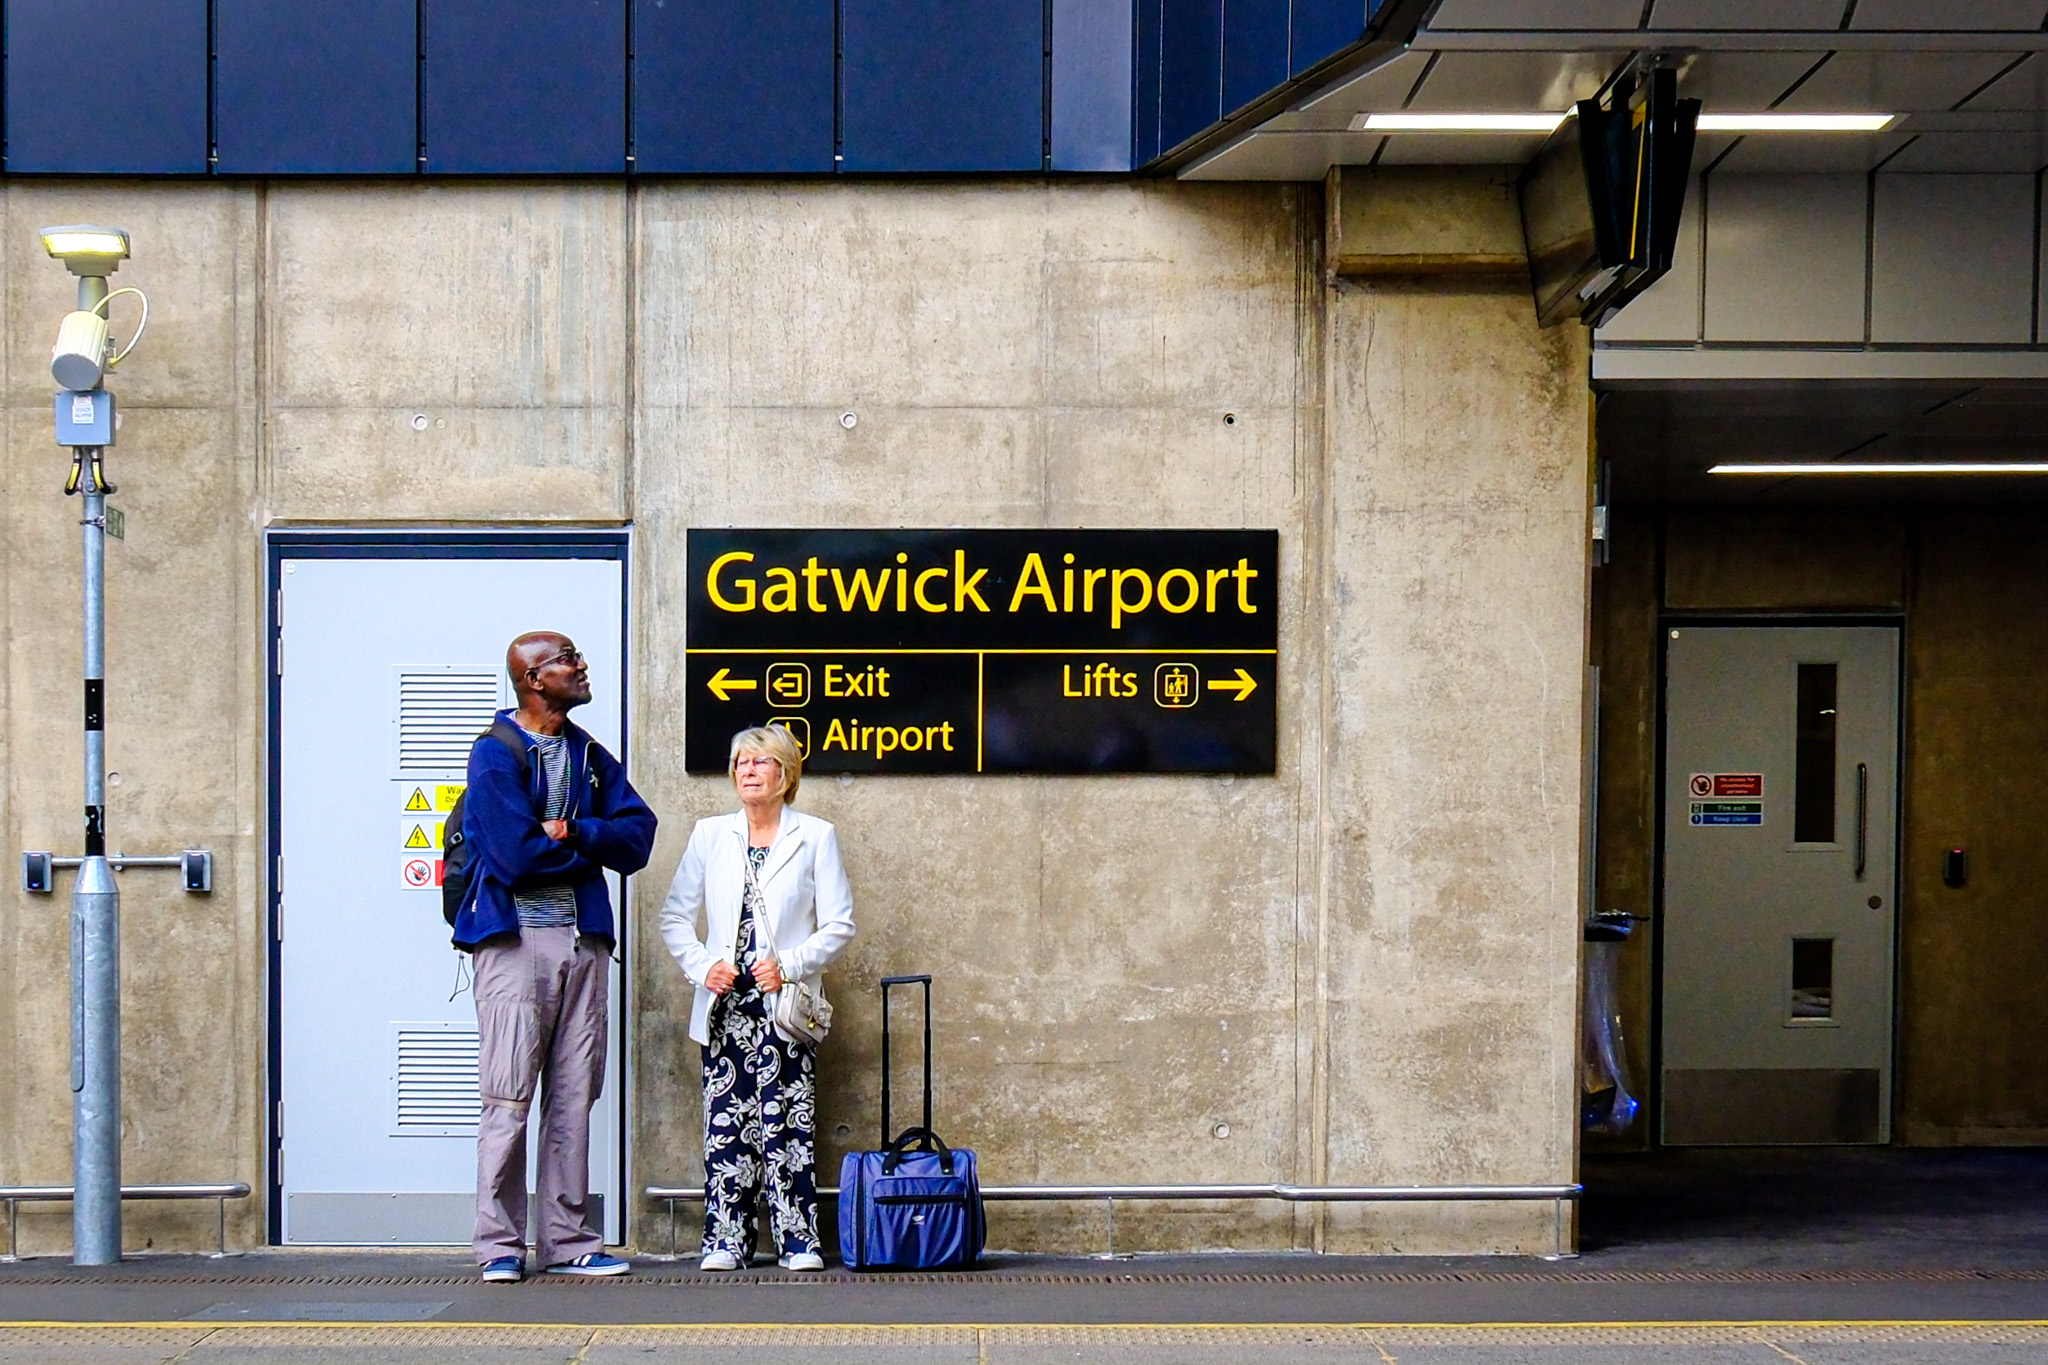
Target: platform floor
x: 1692, y: 1258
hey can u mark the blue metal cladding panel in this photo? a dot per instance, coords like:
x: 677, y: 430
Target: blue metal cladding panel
x: 316, y: 87
x: 1091, y: 85
x: 1191, y: 69
x: 113, y: 88
x: 524, y: 87
x: 943, y: 85
x: 1145, y: 81
x: 1322, y: 27
x: 1255, y: 36
x: 733, y: 86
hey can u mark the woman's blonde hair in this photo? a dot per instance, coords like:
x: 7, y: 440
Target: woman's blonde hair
x: 777, y: 743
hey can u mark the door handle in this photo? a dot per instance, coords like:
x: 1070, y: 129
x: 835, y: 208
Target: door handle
x: 1862, y: 818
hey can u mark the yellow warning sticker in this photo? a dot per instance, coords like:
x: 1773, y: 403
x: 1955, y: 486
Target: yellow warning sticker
x: 445, y: 796
x: 418, y: 800
x: 419, y: 834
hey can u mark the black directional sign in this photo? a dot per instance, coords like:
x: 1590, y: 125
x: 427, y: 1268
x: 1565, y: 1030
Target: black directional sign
x: 915, y: 651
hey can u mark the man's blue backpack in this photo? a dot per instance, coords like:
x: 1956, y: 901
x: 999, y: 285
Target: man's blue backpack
x: 916, y: 1203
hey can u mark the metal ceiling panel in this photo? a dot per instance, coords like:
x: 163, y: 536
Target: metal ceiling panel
x: 1742, y: 82
x: 2007, y: 152
x: 1896, y: 82
x: 1383, y: 87
x: 1709, y: 147
x: 1708, y: 15
x: 1490, y: 149
x: 1946, y: 254
x: 1512, y: 82
x: 1952, y: 16
x: 1537, y: 14
x: 2025, y: 87
x: 1785, y: 258
x: 1811, y: 153
x: 1285, y: 156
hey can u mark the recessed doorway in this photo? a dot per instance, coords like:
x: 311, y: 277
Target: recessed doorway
x: 1780, y: 836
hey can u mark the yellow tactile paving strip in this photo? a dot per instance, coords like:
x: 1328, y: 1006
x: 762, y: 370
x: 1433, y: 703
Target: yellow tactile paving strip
x: 172, y: 1338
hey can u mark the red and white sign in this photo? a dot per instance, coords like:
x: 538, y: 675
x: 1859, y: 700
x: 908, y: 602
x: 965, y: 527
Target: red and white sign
x: 421, y: 873
x: 1750, y: 785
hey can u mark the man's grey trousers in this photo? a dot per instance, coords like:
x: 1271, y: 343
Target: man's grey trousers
x: 541, y: 1006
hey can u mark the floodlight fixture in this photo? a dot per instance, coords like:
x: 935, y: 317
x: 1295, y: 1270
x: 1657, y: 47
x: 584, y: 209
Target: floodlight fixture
x: 87, y: 251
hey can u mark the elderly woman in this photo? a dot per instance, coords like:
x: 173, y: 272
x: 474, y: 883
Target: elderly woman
x: 772, y: 894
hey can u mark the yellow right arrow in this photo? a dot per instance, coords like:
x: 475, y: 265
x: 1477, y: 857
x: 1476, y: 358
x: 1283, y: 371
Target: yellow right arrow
x: 1244, y: 684
x: 723, y: 684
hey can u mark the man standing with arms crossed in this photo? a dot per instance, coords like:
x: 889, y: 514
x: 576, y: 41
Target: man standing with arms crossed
x: 547, y: 811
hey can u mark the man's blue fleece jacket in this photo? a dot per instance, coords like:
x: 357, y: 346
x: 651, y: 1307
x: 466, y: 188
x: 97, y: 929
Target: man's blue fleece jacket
x: 610, y: 827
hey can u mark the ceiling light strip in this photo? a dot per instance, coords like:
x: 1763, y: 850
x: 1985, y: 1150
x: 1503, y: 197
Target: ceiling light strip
x: 1458, y: 123
x: 1525, y: 124
x: 1796, y: 123
x: 1972, y: 467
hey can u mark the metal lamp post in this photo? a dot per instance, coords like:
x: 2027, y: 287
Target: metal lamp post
x: 85, y: 422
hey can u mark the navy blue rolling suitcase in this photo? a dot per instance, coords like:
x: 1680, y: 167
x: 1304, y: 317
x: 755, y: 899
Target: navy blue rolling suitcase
x: 916, y: 1203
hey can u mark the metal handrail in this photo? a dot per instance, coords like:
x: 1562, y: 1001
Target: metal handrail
x: 1293, y: 1194
x: 16, y: 1195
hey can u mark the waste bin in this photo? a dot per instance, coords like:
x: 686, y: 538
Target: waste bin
x: 1606, y: 1103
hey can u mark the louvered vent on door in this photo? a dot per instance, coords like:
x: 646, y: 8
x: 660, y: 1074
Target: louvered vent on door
x: 441, y: 711
x: 434, y: 1081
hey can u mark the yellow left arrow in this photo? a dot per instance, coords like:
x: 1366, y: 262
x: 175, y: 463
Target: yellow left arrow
x: 1244, y: 684
x: 723, y: 684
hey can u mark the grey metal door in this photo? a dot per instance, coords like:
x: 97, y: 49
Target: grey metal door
x: 388, y: 668
x: 1781, y: 770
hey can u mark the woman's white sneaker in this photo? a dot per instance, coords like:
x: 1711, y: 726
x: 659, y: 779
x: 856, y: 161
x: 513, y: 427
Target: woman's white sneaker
x: 802, y: 1260
x: 719, y: 1260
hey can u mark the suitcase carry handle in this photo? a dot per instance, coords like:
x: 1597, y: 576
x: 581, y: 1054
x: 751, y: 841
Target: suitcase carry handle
x: 922, y: 979
x: 916, y: 1140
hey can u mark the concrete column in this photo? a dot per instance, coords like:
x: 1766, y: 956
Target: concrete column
x: 1456, y: 449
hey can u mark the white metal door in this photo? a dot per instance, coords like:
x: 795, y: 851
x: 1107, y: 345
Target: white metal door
x: 1781, y: 765
x: 389, y: 668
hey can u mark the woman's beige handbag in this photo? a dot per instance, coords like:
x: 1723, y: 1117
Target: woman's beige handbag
x: 802, y: 1014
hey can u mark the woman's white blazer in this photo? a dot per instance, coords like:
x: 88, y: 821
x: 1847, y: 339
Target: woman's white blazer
x: 803, y: 884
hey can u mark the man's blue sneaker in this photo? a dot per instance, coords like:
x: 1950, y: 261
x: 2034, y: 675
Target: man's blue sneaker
x: 504, y: 1270
x: 592, y: 1263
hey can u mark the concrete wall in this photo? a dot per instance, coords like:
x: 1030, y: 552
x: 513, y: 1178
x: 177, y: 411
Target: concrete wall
x: 1966, y: 583
x: 1972, y: 1012
x: 1361, y: 969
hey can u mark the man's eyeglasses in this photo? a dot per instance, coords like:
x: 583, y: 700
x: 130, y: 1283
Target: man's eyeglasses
x: 572, y: 657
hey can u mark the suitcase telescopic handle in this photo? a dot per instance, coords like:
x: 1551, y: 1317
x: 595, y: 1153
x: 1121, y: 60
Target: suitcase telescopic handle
x: 921, y: 979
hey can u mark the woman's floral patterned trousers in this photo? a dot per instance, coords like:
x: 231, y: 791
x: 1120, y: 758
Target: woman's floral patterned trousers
x: 760, y: 1104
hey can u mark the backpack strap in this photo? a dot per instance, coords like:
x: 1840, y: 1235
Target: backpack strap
x: 513, y: 738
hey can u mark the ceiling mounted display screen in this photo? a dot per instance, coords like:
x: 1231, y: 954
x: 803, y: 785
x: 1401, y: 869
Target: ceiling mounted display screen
x: 1601, y: 201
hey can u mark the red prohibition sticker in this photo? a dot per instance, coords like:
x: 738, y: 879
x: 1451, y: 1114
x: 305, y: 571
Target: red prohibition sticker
x: 418, y: 873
